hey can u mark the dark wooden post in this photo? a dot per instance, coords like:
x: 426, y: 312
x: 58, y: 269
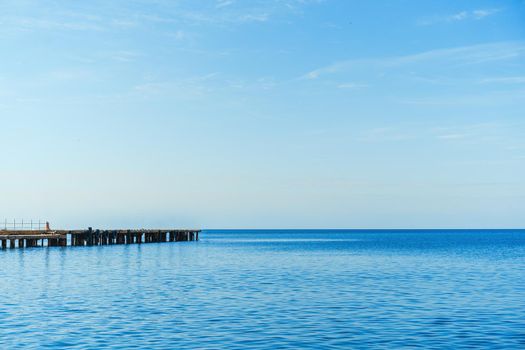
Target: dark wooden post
x: 89, y: 238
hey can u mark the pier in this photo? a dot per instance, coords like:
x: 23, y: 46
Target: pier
x: 17, y: 238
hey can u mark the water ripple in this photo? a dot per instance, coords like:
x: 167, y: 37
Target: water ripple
x: 271, y: 290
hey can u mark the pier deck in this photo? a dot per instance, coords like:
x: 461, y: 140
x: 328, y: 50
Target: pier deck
x: 41, y: 238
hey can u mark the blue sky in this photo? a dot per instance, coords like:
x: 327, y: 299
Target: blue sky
x: 276, y: 113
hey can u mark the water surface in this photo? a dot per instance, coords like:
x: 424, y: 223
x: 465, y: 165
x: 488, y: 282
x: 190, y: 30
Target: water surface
x: 271, y: 290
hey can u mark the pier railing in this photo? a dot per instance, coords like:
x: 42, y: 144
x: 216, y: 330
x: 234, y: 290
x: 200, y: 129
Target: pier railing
x: 23, y: 225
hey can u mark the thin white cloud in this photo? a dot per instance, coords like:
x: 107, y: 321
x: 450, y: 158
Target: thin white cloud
x: 224, y: 3
x: 352, y: 86
x: 465, y: 55
x: 488, y: 98
x: 229, y: 12
x: 123, y: 56
x: 495, y: 133
x: 503, y: 80
x: 259, y: 17
x: 65, y: 75
x: 158, y: 13
x: 31, y: 24
x: 456, y: 17
x: 477, y: 14
x: 452, y: 136
x: 179, y: 35
x: 477, y: 132
x: 124, y: 23
x: 386, y: 134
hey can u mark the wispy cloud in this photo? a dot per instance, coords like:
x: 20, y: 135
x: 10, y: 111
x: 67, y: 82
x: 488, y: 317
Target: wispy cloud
x: 124, y: 23
x: 459, y: 16
x: 156, y: 14
x: 257, y: 17
x: 179, y: 35
x: 487, y: 98
x: 498, y: 134
x: 124, y: 56
x: 224, y: 3
x: 452, y: 136
x: 233, y: 12
x: 503, y: 80
x: 479, y: 14
x: 185, y: 87
x: 472, y: 54
x: 456, y: 56
x: 493, y: 132
x: 31, y: 24
x: 386, y: 134
x: 352, y: 86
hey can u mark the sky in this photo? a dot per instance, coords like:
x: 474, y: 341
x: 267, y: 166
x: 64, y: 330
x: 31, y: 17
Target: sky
x: 263, y: 114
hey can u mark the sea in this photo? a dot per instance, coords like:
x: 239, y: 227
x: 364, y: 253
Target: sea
x: 271, y: 289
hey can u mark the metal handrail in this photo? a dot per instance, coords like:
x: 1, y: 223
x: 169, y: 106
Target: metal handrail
x: 24, y: 225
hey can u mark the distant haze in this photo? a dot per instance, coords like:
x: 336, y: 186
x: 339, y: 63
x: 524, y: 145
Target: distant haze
x: 270, y: 114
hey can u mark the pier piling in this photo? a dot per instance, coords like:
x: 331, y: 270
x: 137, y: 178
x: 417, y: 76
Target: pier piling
x: 90, y: 237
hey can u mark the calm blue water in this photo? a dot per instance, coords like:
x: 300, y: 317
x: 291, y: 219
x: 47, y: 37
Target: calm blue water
x: 271, y: 290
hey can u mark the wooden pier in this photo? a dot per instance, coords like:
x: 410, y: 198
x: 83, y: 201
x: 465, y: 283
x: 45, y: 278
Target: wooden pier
x: 79, y: 238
